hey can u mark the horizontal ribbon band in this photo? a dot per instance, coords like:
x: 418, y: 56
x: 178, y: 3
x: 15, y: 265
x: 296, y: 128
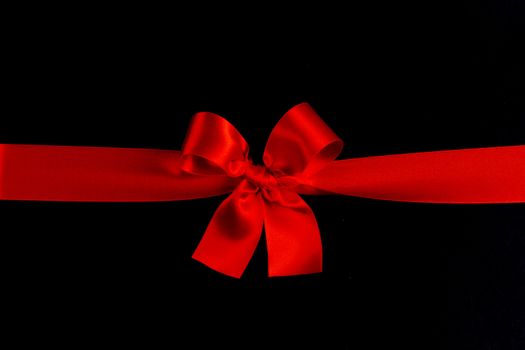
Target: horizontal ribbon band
x: 299, y: 159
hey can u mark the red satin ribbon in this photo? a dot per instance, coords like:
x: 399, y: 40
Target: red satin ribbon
x: 299, y: 159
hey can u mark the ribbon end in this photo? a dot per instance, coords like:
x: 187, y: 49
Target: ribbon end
x: 313, y: 267
x: 235, y: 273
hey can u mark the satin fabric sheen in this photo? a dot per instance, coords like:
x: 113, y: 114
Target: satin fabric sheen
x: 299, y: 159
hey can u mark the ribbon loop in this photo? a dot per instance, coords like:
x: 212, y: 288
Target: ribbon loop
x: 301, y: 143
x: 213, y: 147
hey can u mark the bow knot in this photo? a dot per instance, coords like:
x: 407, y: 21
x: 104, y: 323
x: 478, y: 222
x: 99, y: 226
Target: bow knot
x: 260, y: 176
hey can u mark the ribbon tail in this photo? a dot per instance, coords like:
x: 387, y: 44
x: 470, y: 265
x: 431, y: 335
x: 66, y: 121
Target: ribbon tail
x: 100, y: 174
x: 481, y: 175
x: 292, y: 236
x: 233, y: 233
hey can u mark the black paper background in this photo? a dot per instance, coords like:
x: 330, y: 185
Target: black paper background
x: 388, y: 78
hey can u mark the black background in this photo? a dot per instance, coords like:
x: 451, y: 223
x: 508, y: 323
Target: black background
x: 388, y: 78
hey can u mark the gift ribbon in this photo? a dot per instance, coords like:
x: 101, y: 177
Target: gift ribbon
x: 299, y: 159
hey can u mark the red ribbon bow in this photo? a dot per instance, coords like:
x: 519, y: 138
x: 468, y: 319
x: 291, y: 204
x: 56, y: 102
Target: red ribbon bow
x: 300, y: 145
x: 299, y: 159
